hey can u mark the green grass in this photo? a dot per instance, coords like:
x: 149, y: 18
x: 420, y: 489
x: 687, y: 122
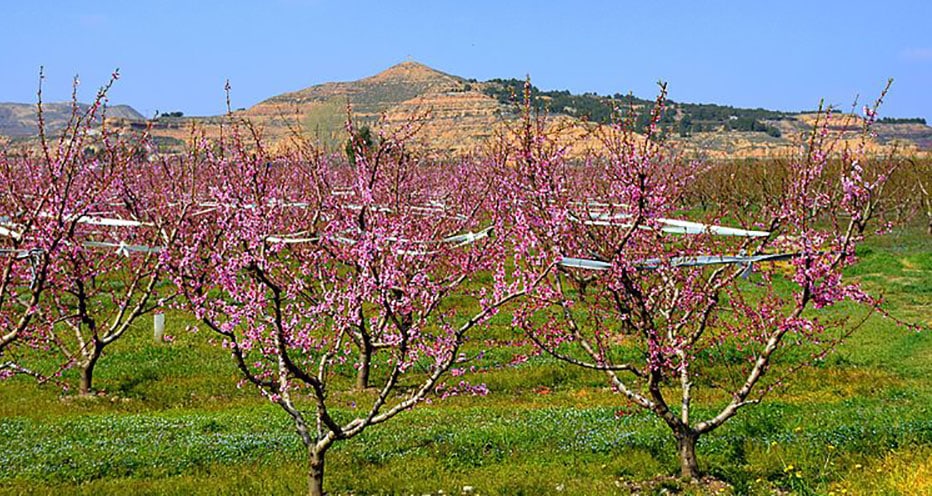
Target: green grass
x: 173, y: 421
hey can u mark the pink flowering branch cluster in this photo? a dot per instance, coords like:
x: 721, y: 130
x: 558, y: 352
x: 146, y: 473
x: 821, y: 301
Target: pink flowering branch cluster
x: 650, y: 309
x: 71, y: 213
x: 312, y: 269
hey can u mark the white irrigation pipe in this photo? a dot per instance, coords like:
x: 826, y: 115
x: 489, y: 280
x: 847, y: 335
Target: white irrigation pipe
x: 111, y: 222
x: 456, y: 240
x: 671, y: 226
x: 597, y: 204
x: 696, y: 261
x: 122, y: 248
x: 84, y: 219
x: 19, y: 253
x: 9, y: 232
x: 99, y: 221
x: 290, y: 239
x: 469, y: 237
x: 687, y: 227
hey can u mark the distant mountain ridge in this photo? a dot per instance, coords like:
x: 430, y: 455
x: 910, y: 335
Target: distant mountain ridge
x: 19, y: 120
x: 456, y: 115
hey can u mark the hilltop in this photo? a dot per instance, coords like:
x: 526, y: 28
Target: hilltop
x: 403, y: 89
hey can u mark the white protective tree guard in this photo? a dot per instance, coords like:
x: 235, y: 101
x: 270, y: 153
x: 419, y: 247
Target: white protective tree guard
x: 158, y: 327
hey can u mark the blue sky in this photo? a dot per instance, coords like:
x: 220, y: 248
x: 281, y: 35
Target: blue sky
x: 176, y: 55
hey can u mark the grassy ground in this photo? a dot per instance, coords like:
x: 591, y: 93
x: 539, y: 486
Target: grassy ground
x: 172, y: 421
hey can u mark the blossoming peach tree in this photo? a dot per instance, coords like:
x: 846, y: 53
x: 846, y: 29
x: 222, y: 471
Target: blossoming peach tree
x: 674, y: 313
x: 315, y: 272
x: 50, y: 194
x: 111, y: 271
x: 82, y: 230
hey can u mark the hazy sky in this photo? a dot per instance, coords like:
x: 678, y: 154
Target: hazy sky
x: 176, y: 55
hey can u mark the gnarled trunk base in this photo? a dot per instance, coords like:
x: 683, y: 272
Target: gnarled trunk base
x: 315, y: 472
x: 689, y: 465
x: 87, y: 371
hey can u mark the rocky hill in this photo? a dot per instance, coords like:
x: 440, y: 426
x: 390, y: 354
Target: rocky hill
x: 322, y: 109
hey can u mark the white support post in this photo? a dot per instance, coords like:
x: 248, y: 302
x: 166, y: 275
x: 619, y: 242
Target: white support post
x: 158, y: 324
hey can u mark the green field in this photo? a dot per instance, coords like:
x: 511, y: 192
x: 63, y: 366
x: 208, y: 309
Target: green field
x: 173, y: 421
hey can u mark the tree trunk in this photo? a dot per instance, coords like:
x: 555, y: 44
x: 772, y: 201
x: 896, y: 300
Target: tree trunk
x: 87, y: 370
x: 365, y: 363
x: 686, y: 444
x: 315, y: 472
